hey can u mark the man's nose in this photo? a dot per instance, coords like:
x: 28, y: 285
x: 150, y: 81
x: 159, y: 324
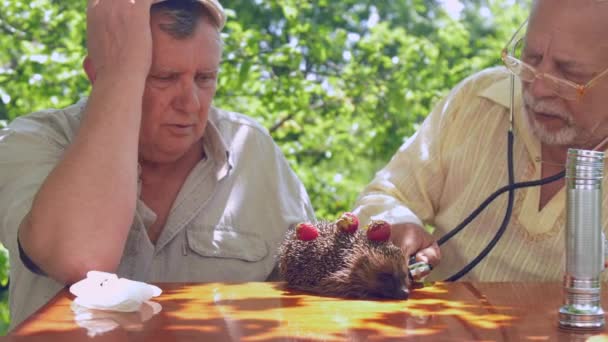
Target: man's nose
x: 188, y: 98
x: 541, y: 87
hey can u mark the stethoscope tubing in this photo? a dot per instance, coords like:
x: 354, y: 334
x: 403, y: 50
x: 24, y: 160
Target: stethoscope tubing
x: 511, y: 187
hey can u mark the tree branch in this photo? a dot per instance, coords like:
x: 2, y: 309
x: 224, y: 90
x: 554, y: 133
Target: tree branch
x: 280, y: 123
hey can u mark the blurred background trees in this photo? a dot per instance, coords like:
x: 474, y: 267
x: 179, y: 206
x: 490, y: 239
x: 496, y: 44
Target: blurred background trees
x: 339, y: 84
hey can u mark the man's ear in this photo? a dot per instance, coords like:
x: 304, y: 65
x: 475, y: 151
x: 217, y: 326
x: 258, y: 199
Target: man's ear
x: 89, y: 69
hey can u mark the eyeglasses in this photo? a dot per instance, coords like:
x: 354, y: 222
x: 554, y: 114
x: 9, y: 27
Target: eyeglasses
x: 559, y: 86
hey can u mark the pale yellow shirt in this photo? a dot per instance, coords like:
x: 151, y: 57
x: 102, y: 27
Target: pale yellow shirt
x: 456, y: 159
x: 225, y: 225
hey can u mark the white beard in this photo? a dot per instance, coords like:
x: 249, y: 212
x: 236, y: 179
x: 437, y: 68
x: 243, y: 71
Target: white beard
x: 564, y: 136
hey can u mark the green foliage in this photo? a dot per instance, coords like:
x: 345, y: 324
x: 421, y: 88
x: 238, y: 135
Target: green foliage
x: 42, y: 49
x: 339, y: 84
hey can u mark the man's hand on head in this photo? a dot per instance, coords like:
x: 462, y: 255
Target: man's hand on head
x: 119, y: 38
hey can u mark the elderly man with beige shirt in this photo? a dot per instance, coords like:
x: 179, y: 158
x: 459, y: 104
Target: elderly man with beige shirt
x: 144, y: 178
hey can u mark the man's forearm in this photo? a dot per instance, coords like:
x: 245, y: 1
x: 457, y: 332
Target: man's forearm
x: 81, y: 215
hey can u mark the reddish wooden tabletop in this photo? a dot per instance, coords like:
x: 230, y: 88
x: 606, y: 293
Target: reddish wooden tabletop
x: 269, y: 312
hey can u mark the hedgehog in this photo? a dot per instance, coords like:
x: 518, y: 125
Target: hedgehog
x: 337, y: 259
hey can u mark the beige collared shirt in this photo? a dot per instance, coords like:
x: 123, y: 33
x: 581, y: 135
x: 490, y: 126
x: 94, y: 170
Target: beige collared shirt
x: 225, y: 224
x: 452, y: 164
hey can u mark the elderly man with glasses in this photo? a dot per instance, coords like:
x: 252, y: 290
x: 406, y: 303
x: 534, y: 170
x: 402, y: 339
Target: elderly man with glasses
x: 559, y: 97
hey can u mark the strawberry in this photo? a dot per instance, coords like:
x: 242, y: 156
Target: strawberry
x: 348, y: 223
x: 306, y: 231
x: 379, y: 231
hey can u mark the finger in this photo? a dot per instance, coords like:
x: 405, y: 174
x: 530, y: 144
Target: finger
x: 430, y: 255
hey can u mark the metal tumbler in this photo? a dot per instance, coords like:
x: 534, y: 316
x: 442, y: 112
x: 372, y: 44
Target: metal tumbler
x: 584, y: 241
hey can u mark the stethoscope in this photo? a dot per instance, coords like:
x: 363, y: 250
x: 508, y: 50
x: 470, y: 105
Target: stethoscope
x: 510, y: 188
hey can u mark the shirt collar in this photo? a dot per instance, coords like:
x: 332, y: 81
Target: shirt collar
x: 215, y: 146
x: 500, y: 93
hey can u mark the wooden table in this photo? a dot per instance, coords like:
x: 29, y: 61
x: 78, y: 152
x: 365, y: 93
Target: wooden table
x: 269, y: 312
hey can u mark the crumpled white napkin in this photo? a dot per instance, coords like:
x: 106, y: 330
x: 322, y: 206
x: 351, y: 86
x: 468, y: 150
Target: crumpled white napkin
x: 105, y: 291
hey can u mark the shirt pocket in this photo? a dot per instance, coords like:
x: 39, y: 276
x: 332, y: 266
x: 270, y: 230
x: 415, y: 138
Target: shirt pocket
x: 226, y: 242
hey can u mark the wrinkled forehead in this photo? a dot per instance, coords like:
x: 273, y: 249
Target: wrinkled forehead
x: 570, y: 29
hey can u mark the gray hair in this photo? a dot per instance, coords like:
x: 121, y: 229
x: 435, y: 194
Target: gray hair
x: 184, y: 16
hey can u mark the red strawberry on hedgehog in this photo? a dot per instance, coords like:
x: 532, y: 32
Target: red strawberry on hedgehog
x: 339, y: 259
x: 379, y: 231
x: 306, y: 231
x: 348, y: 222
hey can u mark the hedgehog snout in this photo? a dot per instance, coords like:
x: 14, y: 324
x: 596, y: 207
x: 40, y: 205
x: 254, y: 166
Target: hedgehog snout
x: 400, y: 292
x: 393, y: 286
